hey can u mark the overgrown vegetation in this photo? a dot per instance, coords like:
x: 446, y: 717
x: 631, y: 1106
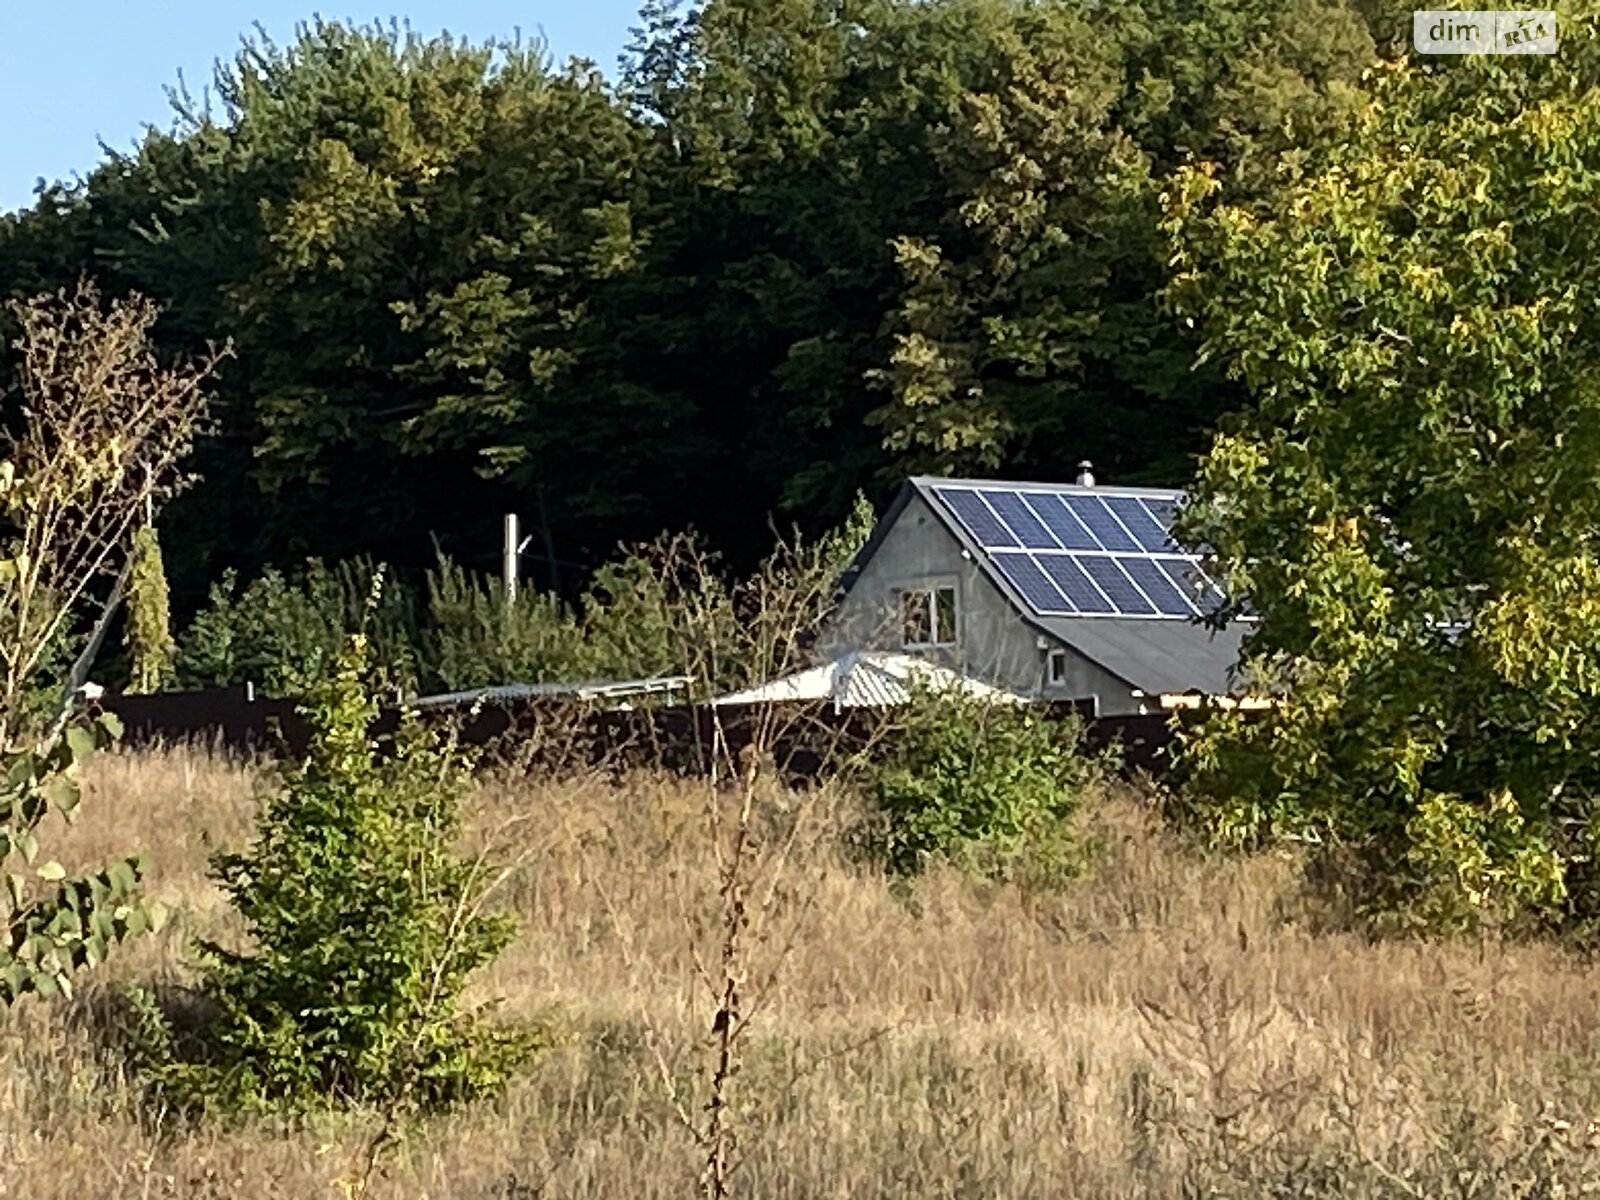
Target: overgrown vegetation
x: 283, y: 633
x: 95, y: 451
x: 1168, y: 1025
x: 988, y: 787
x: 663, y: 608
x: 1410, y: 504
x: 363, y: 926
x: 801, y: 247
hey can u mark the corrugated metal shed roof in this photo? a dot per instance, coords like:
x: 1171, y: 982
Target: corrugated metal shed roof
x: 866, y: 679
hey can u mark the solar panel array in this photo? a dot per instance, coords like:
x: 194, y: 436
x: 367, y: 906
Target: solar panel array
x: 1085, y: 554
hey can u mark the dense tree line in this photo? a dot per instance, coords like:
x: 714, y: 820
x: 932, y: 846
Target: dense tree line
x: 793, y: 249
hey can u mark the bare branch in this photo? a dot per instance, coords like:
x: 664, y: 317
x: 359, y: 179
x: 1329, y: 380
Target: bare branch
x: 105, y: 428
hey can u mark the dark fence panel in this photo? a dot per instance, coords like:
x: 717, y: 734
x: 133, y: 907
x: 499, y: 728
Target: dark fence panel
x: 1145, y: 738
x: 541, y: 731
x: 232, y: 715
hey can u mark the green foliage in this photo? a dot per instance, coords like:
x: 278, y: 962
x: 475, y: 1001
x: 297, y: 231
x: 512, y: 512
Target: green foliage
x: 1411, y: 503
x: 282, y: 633
x: 151, y: 649
x: 55, y: 923
x: 662, y: 609
x: 990, y: 787
x: 473, y: 638
x: 38, y: 703
x: 840, y: 547
x: 365, y: 926
x: 804, y: 247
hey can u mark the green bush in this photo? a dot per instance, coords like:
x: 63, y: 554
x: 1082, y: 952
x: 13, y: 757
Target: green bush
x: 474, y: 638
x: 664, y: 608
x: 668, y: 608
x: 148, y: 636
x: 283, y: 632
x: 58, y: 924
x: 992, y: 788
x: 365, y: 928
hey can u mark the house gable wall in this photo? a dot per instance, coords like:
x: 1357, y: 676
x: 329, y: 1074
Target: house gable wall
x: 993, y: 641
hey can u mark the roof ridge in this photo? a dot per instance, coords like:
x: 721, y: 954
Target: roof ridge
x: 1098, y: 489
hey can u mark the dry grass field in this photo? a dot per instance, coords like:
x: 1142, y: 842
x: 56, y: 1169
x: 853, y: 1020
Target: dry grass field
x: 1167, y: 1026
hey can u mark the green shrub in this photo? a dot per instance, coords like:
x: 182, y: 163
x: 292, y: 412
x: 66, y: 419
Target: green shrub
x: 668, y: 608
x: 989, y: 787
x: 475, y: 639
x: 149, y: 626
x: 664, y: 608
x: 57, y: 924
x: 365, y: 927
x: 284, y: 632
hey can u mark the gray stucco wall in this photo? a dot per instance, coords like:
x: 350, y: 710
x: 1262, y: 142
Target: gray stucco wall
x: 993, y: 641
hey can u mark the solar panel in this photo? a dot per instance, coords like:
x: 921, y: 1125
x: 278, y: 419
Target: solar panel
x: 1067, y: 575
x: 1165, y: 512
x: 1153, y: 581
x: 1201, y: 590
x: 1150, y: 533
x: 1025, y: 574
x: 1085, y: 553
x: 1119, y: 589
x: 1014, y: 511
x: 1058, y: 518
x: 972, y: 512
x: 1092, y: 511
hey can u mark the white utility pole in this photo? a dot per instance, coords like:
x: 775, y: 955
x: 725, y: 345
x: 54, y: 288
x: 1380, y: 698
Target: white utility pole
x: 513, y: 551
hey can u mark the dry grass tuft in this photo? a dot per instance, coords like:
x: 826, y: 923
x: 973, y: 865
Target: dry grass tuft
x: 1167, y: 1026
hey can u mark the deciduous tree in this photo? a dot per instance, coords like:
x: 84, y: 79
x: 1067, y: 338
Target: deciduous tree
x: 1411, y: 505
x: 104, y: 429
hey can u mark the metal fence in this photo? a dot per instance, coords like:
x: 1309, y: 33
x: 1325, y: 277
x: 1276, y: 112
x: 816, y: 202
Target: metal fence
x: 683, y: 738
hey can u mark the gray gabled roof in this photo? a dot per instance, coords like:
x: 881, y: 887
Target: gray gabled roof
x: 1157, y: 657
x: 1153, y: 656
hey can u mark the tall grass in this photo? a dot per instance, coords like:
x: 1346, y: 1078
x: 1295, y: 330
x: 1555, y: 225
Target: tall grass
x: 1167, y: 1025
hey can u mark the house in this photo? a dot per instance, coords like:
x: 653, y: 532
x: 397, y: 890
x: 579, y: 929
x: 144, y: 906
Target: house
x: 1053, y: 591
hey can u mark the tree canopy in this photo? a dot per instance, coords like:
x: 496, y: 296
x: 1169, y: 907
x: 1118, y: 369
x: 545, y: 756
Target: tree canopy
x: 1411, y: 503
x: 792, y: 250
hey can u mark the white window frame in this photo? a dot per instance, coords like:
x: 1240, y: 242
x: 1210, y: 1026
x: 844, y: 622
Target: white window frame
x: 1051, y: 659
x: 930, y: 593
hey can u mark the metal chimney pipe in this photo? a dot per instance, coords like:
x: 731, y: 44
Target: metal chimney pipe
x: 1086, y: 473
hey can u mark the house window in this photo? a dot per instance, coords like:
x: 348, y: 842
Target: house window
x: 928, y: 617
x: 1055, y: 671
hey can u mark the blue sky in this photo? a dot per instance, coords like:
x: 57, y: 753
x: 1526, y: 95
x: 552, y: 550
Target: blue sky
x: 74, y: 73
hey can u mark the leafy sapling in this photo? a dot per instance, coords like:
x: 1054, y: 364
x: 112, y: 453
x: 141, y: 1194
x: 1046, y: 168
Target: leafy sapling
x: 364, y: 927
